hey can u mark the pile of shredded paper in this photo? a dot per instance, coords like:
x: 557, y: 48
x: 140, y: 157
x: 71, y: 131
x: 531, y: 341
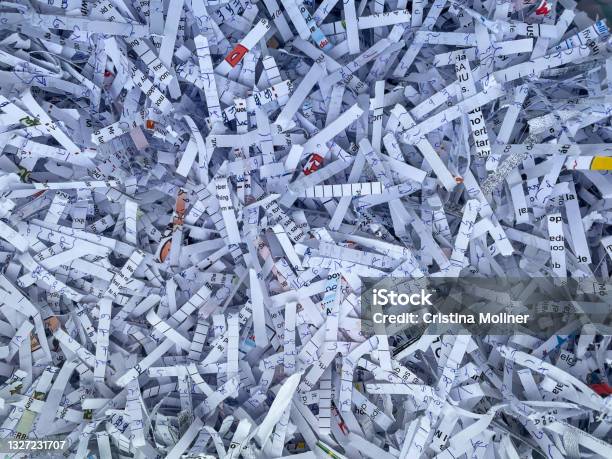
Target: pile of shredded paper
x: 192, y: 192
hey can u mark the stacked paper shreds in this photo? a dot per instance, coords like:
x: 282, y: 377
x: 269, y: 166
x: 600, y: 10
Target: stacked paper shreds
x: 193, y: 190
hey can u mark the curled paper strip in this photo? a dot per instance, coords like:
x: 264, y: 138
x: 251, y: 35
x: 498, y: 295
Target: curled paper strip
x: 194, y: 193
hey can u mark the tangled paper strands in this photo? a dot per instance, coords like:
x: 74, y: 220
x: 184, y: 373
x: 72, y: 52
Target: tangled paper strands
x: 193, y: 190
